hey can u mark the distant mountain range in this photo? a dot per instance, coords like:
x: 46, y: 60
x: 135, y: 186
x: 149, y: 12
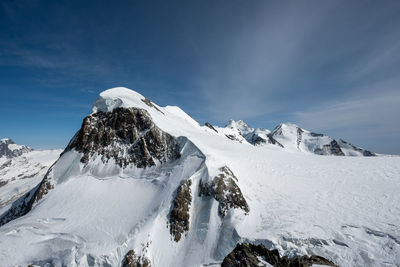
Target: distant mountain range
x: 21, y: 168
x: 290, y: 137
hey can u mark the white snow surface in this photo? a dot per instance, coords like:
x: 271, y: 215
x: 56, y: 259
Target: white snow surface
x: 20, y: 174
x: 342, y: 208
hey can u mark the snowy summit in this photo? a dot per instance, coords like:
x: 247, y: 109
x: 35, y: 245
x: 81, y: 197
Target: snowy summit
x: 144, y: 185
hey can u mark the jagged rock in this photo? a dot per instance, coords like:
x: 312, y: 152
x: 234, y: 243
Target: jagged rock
x: 366, y: 153
x: 127, y: 135
x: 179, y: 215
x: 332, y: 148
x: 225, y: 190
x: 272, y: 141
x: 316, y: 134
x: 257, y: 140
x: 150, y: 104
x: 131, y: 260
x: 249, y: 255
x: 233, y: 138
x: 210, y: 126
x: 9, y: 149
x: 299, y: 135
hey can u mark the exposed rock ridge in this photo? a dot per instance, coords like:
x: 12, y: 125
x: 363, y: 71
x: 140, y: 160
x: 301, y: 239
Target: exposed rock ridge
x: 127, y: 135
x: 299, y: 135
x: 179, y: 214
x: 150, y: 104
x: 256, y: 139
x: 249, y: 255
x: 225, y: 190
x: 9, y: 149
x: 131, y: 260
x: 207, y: 124
x: 366, y: 153
x: 233, y: 138
x: 332, y: 148
x: 272, y: 141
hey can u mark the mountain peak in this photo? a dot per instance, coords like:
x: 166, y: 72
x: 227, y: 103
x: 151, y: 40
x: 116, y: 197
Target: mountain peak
x: 121, y: 97
x: 9, y: 149
x: 289, y: 125
x: 240, y: 125
x: 6, y: 141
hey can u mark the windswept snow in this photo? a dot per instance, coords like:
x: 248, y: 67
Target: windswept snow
x: 342, y: 208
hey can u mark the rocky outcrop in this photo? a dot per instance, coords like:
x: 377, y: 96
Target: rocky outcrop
x: 9, y: 149
x: 225, y: 190
x: 316, y: 134
x: 257, y: 140
x: 365, y: 153
x: 332, y: 148
x: 299, y: 135
x: 233, y: 138
x: 3, y: 183
x: 131, y: 260
x: 126, y: 135
x: 207, y: 124
x: 272, y: 141
x: 151, y: 104
x: 179, y: 214
x: 249, y: 255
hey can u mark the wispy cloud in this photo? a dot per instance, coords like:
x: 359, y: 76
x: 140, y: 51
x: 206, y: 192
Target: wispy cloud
x: 378, y: 112
x: 369, y: 119
x: 327, y: 65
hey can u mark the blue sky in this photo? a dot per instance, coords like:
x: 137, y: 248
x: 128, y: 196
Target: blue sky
x: 329, y: 66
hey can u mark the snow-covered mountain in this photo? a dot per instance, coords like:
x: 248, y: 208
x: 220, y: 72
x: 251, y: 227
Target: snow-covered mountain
x: 144, y: 185
x: 9, y: 149
x: 21, y: 169
x: 292, y: 138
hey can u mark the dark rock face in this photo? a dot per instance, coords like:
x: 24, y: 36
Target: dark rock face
x: 131, y: 260
x: 210, y: 126
x: 332, y: 148
x: 24, y: 204
x: 255, y: 139
x: 249, y: 255
x: 233, y: 138
x: 225, y: 190
x: 5, y: 151
x: 316, y: 134
x: 179, y: 214
x: 127, y: 135
x: 299, y: 136
x: 272, y: 141
x: 366, y: 153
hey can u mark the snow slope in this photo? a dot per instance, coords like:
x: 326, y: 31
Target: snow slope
x: 22, y: 169
x: 342, y: 208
